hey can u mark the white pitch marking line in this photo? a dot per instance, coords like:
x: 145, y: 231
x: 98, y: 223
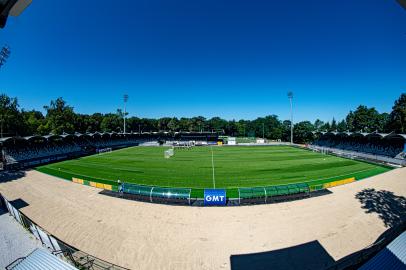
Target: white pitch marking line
x: 212, y: 165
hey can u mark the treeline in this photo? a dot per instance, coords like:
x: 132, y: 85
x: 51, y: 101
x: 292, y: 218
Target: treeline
x: 61, y: 118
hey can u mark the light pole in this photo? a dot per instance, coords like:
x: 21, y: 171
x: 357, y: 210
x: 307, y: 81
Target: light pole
x: 290, y: 96
x: 125, y: 103
x: 4, y: 54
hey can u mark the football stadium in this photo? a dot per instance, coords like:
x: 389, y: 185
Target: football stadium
x: 245, y: 172
x: 152, y: 185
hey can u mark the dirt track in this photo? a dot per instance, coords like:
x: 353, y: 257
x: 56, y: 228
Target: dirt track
x: 149, y: 236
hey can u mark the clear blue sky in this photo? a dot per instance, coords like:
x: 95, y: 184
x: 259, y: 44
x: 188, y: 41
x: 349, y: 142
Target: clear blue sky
x: 233, y: 59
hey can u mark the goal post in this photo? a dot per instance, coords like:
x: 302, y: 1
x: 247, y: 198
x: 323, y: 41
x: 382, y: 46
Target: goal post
x: 169, y: 153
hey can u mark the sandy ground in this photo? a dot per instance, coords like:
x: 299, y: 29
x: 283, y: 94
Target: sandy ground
x: 150, y: 236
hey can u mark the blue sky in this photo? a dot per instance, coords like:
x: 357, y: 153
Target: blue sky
x: 234, y: 59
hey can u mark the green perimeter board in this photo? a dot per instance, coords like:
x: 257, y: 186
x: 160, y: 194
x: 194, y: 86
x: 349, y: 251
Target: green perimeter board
x: 238, y: 166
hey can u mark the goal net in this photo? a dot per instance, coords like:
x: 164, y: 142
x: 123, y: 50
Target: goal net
x: 169, y: 153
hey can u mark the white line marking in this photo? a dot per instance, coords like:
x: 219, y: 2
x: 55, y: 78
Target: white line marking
x: 104, y: 166
x: 345, y: 174
x: 73, y: 174
x: 212, y: 165
x: 310, y: 181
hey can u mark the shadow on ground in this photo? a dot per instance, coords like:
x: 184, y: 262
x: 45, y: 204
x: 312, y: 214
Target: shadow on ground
x: 319, y: 193
x: 310, y: 255
x: 19, y: 203
x: 7, y: 176
x: 3, y: 210
x: 389, y: 207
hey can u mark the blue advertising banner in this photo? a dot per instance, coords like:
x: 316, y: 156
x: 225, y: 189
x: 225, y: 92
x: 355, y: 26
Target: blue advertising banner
x: 404, y: 150
x: 214, y: 197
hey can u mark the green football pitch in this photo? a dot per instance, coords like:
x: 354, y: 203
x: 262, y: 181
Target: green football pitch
x: 213, y: 167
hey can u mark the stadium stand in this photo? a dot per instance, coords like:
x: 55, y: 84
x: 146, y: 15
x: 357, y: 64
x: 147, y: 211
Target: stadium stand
x: 387, y: 145
x: 391, y: 257
x: 40, y: 259
x: 19, y: 152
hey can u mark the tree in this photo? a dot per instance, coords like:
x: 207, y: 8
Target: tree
x: 198, y: 124
x: 60, y: 117
x: 318, y: 124
x: 275, y: 127
x: 32, y: 121
x: 326, y: 127
x: 10, y: 118
x: 342, y: 126
x: 232, y: 128
x: 173, y: 124
x: 185, y: 124
x: 216, y: 124
x: 302, y: 132
x: 270, y: 126
x: 350, y: 121
x: 111, y: 122
x: 364, y: 119
x: 163, y: 123
x: 383, y: 122
x: 286, y: 130
x: 398, y: 115
x: 334, y: 125
x: 94, y: 122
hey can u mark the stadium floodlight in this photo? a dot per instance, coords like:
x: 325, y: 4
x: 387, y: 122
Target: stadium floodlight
x: 4, y: 54
x: 125, y: 103
x: 290, y: 96
x: 12, y: 8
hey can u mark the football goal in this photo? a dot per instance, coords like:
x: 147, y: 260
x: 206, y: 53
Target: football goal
x: 169, y: 153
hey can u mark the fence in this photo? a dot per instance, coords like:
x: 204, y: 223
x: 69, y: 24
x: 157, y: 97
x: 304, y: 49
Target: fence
x: 77, y: 258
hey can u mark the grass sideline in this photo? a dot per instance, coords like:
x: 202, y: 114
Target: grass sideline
x: 244, y: 166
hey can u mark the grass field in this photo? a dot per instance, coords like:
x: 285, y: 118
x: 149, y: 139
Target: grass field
x: 233, y: 167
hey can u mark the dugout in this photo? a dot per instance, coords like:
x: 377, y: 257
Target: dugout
x: 256, y: 195
x: 155, y: 194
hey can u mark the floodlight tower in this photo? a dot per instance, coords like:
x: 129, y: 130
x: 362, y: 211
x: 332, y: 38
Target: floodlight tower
x: 4, y: 54
x: 290, y: 96
x: 125, y: 103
